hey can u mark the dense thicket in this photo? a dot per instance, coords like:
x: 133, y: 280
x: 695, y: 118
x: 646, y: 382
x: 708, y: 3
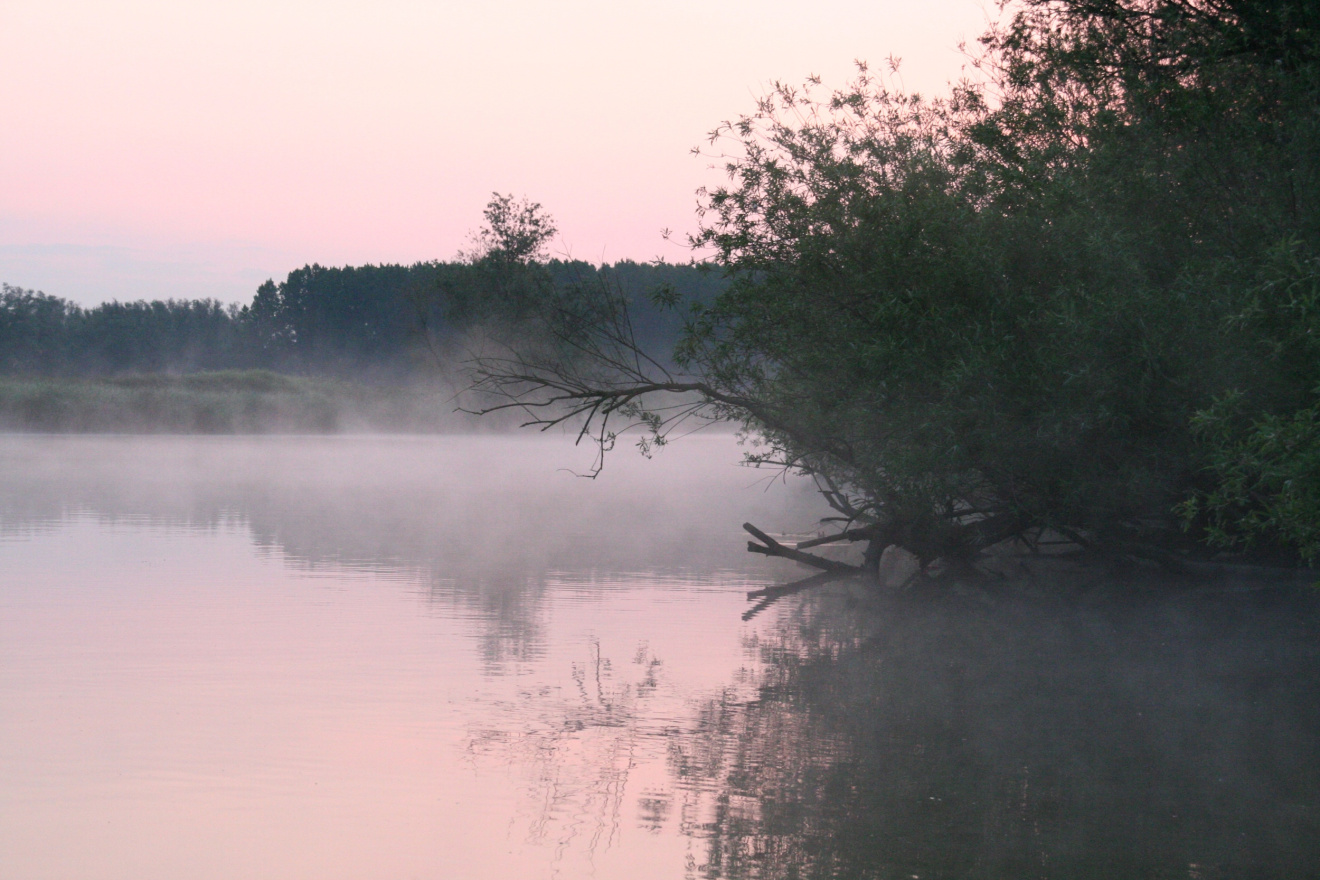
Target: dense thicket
x: 366, y: 322
x: 1016, y: 301
x: 1080, y: 295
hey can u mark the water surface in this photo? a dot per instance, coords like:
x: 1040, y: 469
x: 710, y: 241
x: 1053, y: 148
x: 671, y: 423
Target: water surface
x: 447, y: 657
x: 362, y: 657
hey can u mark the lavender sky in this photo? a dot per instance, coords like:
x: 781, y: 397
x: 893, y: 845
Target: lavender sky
x: 158, y: 149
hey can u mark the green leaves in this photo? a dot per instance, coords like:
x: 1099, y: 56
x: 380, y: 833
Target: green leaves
x: 1266, y: 479
x: 1016, y: 301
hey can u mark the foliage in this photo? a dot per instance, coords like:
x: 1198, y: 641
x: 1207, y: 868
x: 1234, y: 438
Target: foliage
x: 1015, y: 305
x: 1009, y: 304
x: 1261, y: 451
x: 343, y: 321
x: 1266, y: 479
x: 46, y: 334
x: 515, y: 232
x: 31, y: 329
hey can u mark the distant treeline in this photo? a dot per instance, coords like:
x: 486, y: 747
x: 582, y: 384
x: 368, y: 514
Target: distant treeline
x: 360, y: 321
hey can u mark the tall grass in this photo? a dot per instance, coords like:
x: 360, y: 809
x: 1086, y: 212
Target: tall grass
x: 224, y: 402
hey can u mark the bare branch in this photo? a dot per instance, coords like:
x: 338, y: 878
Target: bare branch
x: 774, y: 548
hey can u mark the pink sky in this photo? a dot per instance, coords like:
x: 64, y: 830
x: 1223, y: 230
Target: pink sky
x: 178, y: 149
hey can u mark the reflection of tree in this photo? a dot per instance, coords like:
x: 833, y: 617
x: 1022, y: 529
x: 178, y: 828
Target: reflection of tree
x: 1158, y: 737
x: 578, y: 744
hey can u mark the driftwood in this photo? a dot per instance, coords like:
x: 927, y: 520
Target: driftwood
x: 831, y: 570
x: 866, y: 533
x: 770, y: 547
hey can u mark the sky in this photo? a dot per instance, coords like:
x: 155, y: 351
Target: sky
x: 186, y: 150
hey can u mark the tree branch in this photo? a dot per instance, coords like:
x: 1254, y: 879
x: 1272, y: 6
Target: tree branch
x: 774, y: 548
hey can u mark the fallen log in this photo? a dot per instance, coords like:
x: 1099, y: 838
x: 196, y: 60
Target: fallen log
x: 770, y: 547
x: 865, y: 533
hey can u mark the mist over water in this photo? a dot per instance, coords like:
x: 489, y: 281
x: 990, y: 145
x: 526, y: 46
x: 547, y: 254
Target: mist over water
x: 383, y: 657
x: 357, y: 657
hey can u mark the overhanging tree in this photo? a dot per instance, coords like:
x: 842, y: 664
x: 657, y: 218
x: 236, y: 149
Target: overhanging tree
x: 997, y: 312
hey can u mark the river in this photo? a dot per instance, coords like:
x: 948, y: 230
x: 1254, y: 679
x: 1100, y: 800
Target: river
x: 450, y: 657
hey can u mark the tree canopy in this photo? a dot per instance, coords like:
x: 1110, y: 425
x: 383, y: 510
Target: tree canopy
x: 1070, y: 296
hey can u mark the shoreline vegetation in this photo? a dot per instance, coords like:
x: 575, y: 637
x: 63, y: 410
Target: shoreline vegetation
x: 1076, y: 296
x: 223, y: 402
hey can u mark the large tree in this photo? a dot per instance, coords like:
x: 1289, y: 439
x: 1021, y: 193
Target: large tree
x: 1009, y: 308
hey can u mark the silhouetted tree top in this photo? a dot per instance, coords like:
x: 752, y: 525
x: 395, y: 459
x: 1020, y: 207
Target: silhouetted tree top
x: 516, y: 231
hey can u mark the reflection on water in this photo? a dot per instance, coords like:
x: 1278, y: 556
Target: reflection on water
x: 357, y: 657
x: 441, y: 657
x: 988, y: 734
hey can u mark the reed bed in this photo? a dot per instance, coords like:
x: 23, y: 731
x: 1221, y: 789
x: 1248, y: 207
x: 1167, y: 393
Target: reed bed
x: 223, y: 402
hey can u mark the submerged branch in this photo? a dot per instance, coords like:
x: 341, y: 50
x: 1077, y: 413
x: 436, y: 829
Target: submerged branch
x: 770, y: 547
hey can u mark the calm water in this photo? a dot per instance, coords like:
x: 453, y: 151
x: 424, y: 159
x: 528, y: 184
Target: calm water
x: 447, y: 658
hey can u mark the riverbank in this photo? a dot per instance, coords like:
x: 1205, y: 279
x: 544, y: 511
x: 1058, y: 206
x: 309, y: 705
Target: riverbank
x: 223, y: 402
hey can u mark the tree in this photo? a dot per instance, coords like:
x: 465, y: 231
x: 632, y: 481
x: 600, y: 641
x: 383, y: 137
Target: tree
x: 506, y: 274
x: 997, y: 312
x: 33, y: 325
x: 515, y: 232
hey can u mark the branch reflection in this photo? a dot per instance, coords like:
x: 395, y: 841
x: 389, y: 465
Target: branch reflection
x: 1018, y: 733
